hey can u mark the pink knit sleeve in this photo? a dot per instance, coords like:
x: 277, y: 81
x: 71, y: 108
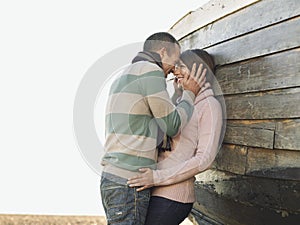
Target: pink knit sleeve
x: 209, y: 129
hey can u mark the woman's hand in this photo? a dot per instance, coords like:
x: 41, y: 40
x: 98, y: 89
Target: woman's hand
x: 143, y: 181
x: 196, y: 79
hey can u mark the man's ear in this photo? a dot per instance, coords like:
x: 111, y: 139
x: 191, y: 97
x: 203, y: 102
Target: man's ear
x: 162, y: 52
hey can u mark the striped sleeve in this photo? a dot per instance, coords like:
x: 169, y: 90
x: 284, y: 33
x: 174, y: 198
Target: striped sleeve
x: 169, y: 117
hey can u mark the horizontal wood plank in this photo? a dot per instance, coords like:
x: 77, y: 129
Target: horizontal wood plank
x: 262, y: 192
x: 280, y: 70
x: 247, y: 200
x: 208, y: 13
x: 259, y: 162
x: 248, y: 133
x: 278, y: 37
x: 287, y: 135
x: 278, y: 164
x: 231, y: 158
x: 264, y: 105
x: 248, y: 19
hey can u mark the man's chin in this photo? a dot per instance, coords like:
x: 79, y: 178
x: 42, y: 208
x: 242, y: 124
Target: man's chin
x: 166, y: 73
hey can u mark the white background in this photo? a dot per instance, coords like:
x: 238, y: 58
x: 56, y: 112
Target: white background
x: 45, y: 49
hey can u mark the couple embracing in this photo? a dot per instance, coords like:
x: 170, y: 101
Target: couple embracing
x: 155, y: 144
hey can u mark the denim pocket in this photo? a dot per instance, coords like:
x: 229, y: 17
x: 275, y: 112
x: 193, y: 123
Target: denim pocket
x: 117, y: 200
x: 143, y: 195
x: 123, y: 203
x: 142, y: 203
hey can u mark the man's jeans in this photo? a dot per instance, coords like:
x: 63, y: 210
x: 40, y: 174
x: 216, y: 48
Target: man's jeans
x: 123, y: 205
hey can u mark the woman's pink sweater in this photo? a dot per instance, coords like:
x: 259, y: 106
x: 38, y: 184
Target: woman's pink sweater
x: 193, y: 151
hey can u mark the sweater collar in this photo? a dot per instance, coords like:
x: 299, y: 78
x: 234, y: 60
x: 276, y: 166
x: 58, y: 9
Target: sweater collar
x: 152, y: 57
x: 205, y: 92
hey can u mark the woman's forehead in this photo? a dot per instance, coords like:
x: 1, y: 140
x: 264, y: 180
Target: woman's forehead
x: 180, y: 62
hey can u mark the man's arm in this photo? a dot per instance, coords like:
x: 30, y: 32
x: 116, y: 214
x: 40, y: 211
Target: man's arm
x: 169, y: 117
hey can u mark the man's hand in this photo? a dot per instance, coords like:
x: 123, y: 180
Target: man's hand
x: 177, y: 88
x: 144, y: 180
x: 195, y: 81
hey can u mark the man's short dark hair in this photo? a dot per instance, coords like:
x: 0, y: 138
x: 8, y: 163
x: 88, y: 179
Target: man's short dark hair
x: 159, y: 40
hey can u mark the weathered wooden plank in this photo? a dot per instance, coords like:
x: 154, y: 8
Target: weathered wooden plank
x: 278, y: 37
x: 231, y: 158
x: 226, y: 211
x: 253, y: 17
x: 264, y: 105
x: 287, y: 135
x: 250, y: 133
x: 247, y: 200
x: 280, y: 70
x: 206, y: 14
x: 270, y: 163
x: 257, y: 124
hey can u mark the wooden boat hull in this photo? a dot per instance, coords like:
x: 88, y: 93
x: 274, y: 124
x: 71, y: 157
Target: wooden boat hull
x: 255, y: 178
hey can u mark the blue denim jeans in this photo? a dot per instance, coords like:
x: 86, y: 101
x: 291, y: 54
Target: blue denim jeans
x: 123, y: 205
x: 163, y: 211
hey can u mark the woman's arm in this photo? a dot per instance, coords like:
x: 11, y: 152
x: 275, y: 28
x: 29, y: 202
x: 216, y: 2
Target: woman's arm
x: 210, y: 125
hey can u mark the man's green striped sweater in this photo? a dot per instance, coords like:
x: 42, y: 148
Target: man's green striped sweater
x: 138, y: 105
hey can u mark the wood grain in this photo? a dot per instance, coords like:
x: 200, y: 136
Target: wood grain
x: 280, y: 70
x: 279, y: 37
x: 231, y: 158
x: 287, y: 135
x: 248, y: 133
x: 260, y: 15
x: 264, y: 105
x: 208, y: 13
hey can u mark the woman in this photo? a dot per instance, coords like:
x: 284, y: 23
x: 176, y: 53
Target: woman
x: 192, y: 151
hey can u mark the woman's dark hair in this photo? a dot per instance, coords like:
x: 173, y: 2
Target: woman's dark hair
x: 198, y: 56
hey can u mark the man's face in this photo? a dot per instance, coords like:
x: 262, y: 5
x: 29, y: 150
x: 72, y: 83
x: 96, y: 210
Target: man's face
x: 169, y: 61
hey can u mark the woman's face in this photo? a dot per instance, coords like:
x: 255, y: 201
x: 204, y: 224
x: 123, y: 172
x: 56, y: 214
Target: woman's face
x: 181, y: 71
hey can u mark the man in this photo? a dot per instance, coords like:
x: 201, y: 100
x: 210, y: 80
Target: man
x: 138, y: 110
